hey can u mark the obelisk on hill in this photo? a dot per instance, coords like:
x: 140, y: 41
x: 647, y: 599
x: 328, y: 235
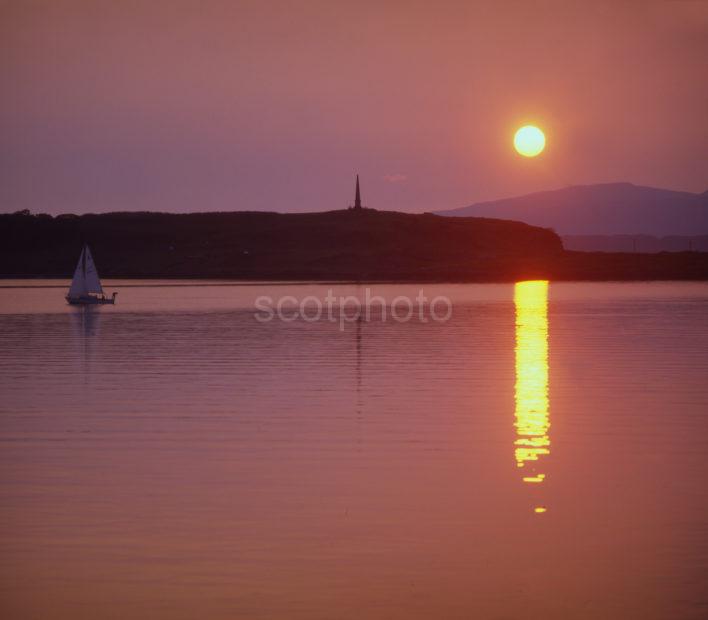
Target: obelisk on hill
x: 357, y: 198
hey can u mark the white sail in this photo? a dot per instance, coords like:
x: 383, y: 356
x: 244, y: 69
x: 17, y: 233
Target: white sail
x: 93, y: 282
x: 78, y: 284
x: 86, y: 280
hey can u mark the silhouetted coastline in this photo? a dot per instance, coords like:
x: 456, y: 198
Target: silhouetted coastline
x: 336, y: 245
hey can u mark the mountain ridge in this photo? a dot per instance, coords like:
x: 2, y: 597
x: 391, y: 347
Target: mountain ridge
x: 621, y: 208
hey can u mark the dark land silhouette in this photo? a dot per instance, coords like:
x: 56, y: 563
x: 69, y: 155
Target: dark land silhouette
x: 636, y: 243
x: 604, y: 209
x: 353, y: 244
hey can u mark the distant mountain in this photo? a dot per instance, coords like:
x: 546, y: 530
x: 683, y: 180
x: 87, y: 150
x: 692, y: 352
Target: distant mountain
x: 604, y: 209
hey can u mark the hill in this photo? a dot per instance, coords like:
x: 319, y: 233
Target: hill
x: 346, y: 244
x: 337, y: 245
x: 605, y: 209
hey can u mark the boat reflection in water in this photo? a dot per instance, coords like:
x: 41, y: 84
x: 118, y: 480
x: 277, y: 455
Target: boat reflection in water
x: 532, y: 442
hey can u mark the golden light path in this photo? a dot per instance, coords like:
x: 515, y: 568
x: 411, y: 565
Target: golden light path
x: 531, y: 388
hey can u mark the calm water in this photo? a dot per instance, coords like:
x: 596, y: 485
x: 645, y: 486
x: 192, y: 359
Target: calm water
x: 542, y: 454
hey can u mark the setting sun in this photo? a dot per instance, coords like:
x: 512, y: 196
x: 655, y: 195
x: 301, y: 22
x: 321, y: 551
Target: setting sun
x: 529, y: 141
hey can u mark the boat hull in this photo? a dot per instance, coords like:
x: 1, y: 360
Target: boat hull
x: 89, y: 301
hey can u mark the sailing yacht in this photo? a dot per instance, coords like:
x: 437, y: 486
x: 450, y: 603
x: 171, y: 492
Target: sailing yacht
x: 86, y: 286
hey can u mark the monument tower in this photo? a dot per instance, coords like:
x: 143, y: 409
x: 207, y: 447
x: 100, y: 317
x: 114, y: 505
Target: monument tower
x: 357, y: 197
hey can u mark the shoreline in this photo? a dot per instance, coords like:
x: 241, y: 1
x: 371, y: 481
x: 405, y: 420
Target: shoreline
x: 176, y: 281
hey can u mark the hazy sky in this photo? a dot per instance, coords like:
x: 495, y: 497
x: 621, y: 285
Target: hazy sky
x: 181, y: 106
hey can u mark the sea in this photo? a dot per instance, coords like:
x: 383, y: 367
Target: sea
x: 226, y: 450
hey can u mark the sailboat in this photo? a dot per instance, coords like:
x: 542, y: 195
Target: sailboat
x: 86, y: 286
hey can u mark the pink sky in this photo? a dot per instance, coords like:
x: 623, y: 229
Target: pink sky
x: 198, y: 106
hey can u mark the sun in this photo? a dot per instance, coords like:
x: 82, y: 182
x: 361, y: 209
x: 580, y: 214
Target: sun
x: 529, y: 141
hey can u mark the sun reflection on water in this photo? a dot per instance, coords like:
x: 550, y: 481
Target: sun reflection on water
x: 531, y: 388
